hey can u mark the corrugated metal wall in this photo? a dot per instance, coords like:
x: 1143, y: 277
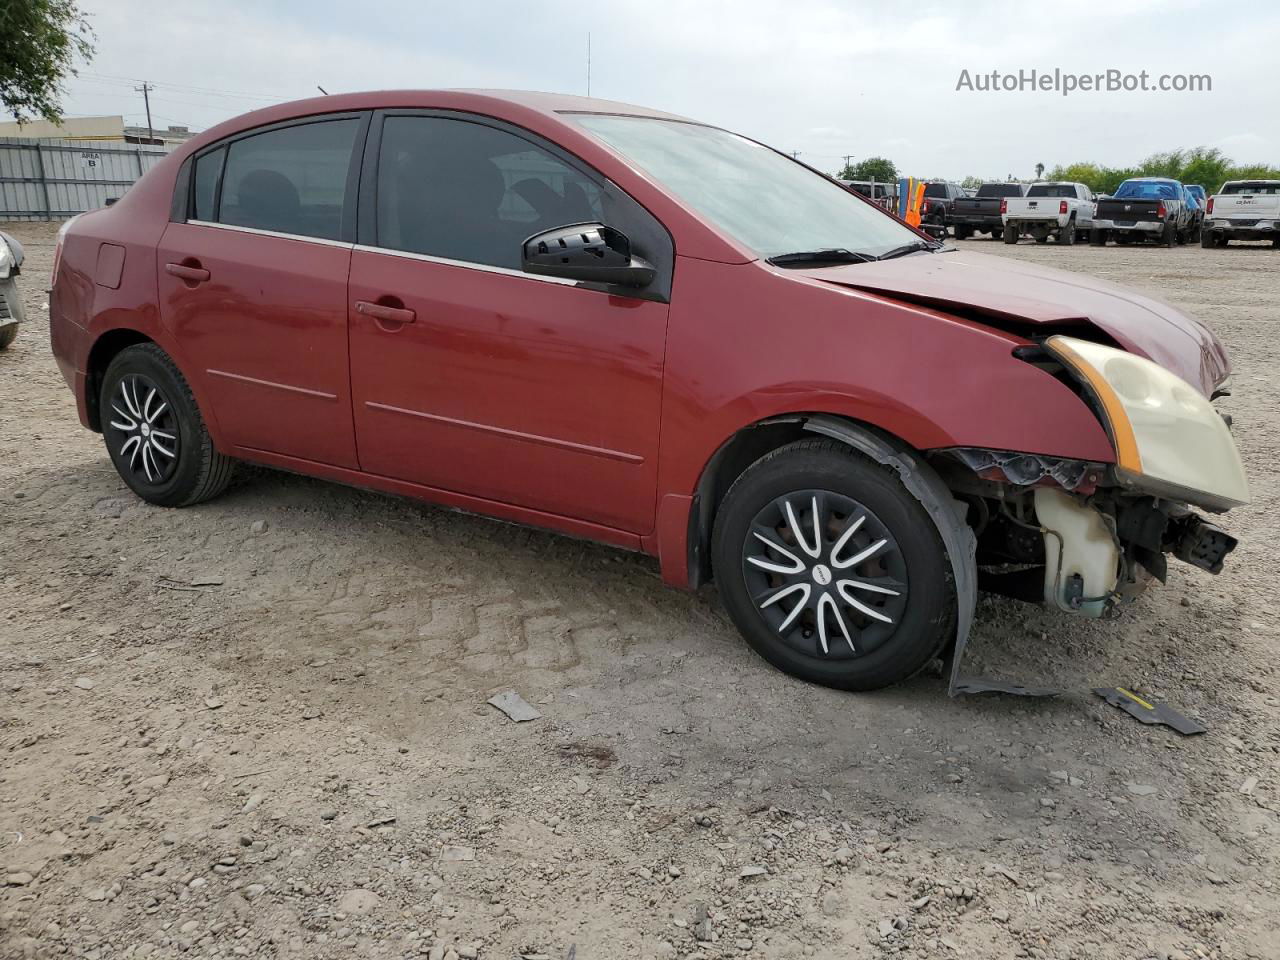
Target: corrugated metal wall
x: 54, y: 179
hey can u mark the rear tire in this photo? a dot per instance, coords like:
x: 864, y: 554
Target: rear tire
x: 1206, y: 240
x: 8, y: 334
x: 1067, y: 235
x: 154, y: 432
x: 1010, y: 234
x: 1122, y: 239
x: 806, y: 602
x: 1098, y: 238
x: 1169, y: 236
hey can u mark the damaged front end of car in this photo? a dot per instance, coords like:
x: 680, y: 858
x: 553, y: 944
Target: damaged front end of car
x: 1086, y: 537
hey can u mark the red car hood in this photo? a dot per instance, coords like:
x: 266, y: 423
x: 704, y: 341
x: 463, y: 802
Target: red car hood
x: 1023, y: 296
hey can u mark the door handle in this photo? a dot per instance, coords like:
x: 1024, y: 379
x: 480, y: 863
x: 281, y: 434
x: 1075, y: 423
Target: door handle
x: 187, y: 272
x: 387, y: 314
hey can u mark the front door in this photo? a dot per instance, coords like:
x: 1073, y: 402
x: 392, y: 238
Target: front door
x: 470, y: 376
x: 253, y: 286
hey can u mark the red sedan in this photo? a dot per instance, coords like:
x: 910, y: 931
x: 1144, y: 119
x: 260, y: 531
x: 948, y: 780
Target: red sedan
x: 632, y: 327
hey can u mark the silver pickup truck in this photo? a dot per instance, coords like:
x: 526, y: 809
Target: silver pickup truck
x: 1243, y: 210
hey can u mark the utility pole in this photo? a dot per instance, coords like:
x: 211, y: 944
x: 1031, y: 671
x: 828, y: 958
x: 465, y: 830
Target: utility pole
x: 145, y: 90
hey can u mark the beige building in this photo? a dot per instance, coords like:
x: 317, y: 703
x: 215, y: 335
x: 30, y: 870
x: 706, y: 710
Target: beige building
x: 71, y: 128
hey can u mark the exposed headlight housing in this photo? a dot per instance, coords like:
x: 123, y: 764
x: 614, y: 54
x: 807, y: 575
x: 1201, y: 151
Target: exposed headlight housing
x: 1168, y: 438
x: 6, y: 259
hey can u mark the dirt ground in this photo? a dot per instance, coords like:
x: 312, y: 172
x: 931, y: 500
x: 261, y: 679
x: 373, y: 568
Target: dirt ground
x: 258, y: 728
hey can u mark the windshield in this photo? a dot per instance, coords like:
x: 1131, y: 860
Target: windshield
x: 1146, y: 190
x: 759, y: 197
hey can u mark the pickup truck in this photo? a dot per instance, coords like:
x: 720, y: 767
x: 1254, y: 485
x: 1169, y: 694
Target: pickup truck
x: 1243, y: 210
x: 1057, y: 209
x: 935, y: 213
x: 981, y: 212
x: 1147, y: 208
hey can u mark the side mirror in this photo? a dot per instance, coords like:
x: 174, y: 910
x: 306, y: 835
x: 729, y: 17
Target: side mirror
x: 586, y: 251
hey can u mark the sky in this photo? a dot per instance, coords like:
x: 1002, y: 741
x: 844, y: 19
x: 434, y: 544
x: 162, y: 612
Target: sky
x: 826, y: 79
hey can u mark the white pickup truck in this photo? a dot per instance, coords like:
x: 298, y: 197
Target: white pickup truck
x: 1243, y: 210
x: 1058, y: 209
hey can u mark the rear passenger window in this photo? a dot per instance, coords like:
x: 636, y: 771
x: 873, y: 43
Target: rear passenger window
x: 208, y: 170
x: 291, y: 180
x: 466, y: 191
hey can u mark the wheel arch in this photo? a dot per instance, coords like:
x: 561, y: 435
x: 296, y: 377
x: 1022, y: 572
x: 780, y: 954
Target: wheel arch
x: 104, y: 350
x: 752, y: 442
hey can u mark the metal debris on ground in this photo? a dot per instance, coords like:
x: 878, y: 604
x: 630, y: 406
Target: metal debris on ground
x: 1148, y: 712
x: 514, y: 706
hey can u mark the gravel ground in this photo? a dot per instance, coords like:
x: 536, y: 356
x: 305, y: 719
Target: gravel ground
x: 258, y: 728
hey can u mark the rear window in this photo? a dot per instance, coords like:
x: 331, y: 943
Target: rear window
x: 1267, y: 189
x: 935, y: 190
x: 1000, y: 190
x: 1052, y: 190
x: 291, y: 180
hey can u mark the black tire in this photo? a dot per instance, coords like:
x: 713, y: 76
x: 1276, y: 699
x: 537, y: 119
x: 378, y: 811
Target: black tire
x: 8, y: 333
x: 1067, y: 235
x: 912, y: 557
x: 1169, y: 236
x: 1098, y: 238
x: 1206, y: 240
x: 1223, y: 240
x: 1010, y: 233
x: 1122, y: 239
x: 1275, y: 243
x: 173, y: 462
x: 963, y: 233
x: 1044, y: 239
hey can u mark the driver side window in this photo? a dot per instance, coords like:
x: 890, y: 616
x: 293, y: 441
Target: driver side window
x: 466, y: 191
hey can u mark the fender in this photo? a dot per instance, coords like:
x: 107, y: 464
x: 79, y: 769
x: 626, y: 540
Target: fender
x: 947, y: 513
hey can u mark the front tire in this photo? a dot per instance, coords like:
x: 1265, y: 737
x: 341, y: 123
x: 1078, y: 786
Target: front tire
x: 1067, y: 235
x: 154, y: 432
x: 831, y: 570
x: 1010, y: 234
x: 8, y: 333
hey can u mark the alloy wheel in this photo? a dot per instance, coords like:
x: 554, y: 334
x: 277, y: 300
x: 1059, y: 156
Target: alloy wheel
x: 145, y: 429
x: 825, y: 573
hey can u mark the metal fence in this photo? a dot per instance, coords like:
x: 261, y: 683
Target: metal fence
x: 54, y: 179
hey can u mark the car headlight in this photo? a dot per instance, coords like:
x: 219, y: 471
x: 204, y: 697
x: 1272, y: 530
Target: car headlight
x: 1168, y: 438
x: 6, y: 260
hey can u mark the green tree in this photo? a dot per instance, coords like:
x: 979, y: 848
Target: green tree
x: 39, y: 41
x: 971, y: 182
x: 872, y: 168
x: 1039, y: 170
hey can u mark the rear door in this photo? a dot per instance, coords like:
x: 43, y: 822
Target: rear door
x: 484, y: 380
x: 253, y: 280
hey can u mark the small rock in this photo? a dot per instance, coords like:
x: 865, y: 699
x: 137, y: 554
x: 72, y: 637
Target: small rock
x: 213, y: 703
x: 744, y: 944
x: 98, y: 895
x: 1248, y: 785
x: 253, y: 803
x: 844, y: 855
x: 885, y: 928
x: 253, y: 891
x: 832, y: 904
x: 19, y: 878
x: 752, y: 871
x: 1000, y: 916
x: 84, y: 683
x: 1141, y: 789
x: 673, y: 871
x: 358, y: 903
x: 468, y: 951
x: 457, y: 854
x: 920, y: 903
x: 329, y: 814
x: 312, y: 713
x: 259, y: 527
